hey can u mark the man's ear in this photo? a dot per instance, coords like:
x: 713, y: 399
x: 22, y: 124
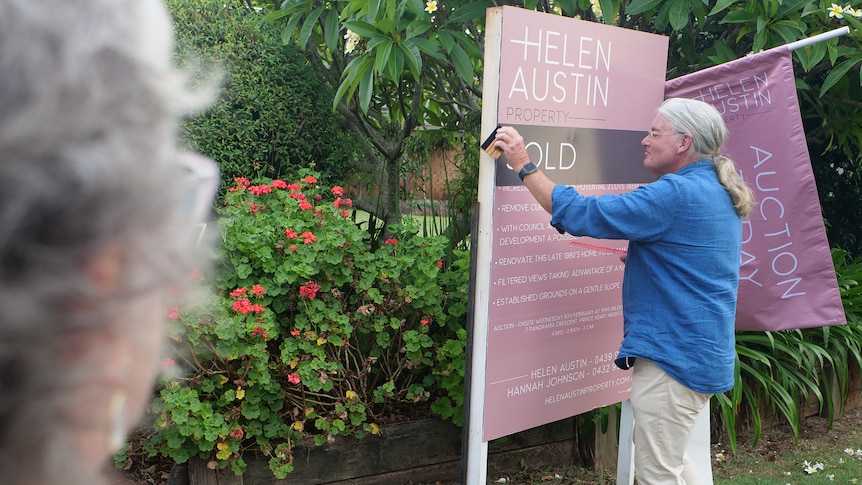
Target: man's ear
x: 685, y: 143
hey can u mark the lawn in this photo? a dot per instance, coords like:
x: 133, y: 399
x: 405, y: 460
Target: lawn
x: 821, y: 456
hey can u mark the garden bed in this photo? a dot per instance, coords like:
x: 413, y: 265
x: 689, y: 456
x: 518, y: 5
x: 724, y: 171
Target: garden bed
x: 423, y: 451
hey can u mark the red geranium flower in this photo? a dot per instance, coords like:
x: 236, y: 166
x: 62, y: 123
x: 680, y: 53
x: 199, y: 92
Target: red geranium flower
x: 338, y: 191
x: 260, y: 189
x: 279, y: 184
x: 244, y: 306
x: 309, y: 290
x: 310, y: 180
x: 293, y: 378
x: 258, y: 290
x: 238, y: 292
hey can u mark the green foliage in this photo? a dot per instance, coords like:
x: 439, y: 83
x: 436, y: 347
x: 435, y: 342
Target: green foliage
x: 397, y: 40
x: 778, y: 373
x: 272, y: 116
x: 406, y: 67
x: 395, y: 67
x: 312, y: 332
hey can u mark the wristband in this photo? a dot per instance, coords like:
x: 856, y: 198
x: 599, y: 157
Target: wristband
x: 527, y: 169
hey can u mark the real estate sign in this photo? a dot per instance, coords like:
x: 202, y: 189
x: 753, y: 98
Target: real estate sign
x: 582, y: 94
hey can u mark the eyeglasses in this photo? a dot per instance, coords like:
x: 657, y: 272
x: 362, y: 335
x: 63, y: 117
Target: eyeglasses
x: 202, y: 179
x: 656, y: 134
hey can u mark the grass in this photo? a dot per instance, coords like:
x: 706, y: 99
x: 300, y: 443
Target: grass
x: 821, y: 456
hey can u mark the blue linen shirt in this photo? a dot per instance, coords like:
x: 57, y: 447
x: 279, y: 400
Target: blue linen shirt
x: 682, y: 270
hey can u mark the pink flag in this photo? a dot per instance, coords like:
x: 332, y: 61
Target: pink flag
x: 787, y: 279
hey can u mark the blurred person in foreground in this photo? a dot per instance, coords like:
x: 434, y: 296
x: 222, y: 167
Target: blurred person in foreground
x: 99, y: 224
x: 681, y: 276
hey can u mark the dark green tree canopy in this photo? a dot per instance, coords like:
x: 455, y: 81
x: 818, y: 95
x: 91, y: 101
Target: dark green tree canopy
x: 273, y: 115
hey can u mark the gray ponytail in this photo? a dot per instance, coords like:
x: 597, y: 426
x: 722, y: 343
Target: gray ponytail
x: 708, y: 133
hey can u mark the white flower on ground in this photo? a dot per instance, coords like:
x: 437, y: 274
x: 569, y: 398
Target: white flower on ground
x: 811, y: 468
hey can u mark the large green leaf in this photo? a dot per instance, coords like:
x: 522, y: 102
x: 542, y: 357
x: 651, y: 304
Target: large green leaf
x: 366, y: 89
x: 308, y: 25
x: 383, y: 56
x: 471, y: 11
x: 678, y: 14
x: 429, y: 47
x: 838, y: 73
x: 609, y: 10
x: 363, y: 29
x: 462, y: 63
x: 412, y: 57
x: 720, y: 6
x: 332, y: 30
x: 641, y: 6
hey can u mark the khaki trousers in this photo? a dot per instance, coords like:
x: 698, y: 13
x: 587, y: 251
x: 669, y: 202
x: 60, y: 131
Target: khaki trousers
x: 665, y: 413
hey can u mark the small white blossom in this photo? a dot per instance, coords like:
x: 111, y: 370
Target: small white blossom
x: 352, y: 39
x: 836, y: 11
x: 431, y: 6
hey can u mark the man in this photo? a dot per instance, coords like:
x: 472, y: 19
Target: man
x: 682, y: 270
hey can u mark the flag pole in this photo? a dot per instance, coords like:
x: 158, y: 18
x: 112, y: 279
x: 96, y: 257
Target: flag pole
x: 818, y: 38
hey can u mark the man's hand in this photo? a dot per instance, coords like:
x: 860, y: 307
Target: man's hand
x: 512, y: 143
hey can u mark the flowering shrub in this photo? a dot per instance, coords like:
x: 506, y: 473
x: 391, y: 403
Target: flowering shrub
x: 310, y: 331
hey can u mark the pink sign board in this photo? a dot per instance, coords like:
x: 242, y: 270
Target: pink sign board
x: 558, y: 71
x: 582, y: 95
x: 787, y: 279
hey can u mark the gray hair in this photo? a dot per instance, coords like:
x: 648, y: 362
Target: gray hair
x: 88, y: 161
x: 708, y: 133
